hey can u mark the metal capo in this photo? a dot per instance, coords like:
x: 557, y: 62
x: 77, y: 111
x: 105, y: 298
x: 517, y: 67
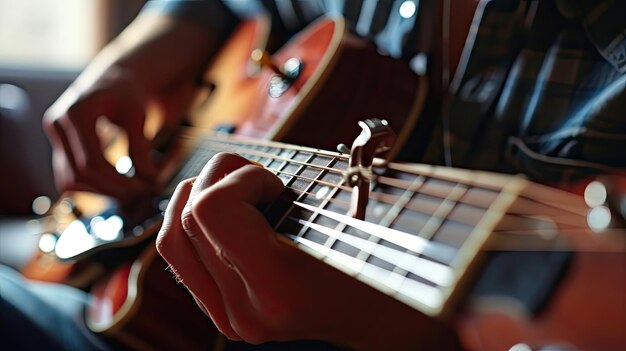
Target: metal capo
x: 375, y: 138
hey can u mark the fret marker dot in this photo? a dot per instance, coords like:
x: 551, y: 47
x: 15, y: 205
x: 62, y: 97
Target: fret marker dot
x: 322, y: 192
x: 379, y: 210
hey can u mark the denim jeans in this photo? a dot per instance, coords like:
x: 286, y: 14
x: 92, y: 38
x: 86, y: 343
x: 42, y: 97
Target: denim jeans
x: 42, y: 316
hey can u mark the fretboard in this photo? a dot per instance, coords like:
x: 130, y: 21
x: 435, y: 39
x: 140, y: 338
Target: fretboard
x: 424, y: 226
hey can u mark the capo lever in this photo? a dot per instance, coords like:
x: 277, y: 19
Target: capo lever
x: 375, y: 138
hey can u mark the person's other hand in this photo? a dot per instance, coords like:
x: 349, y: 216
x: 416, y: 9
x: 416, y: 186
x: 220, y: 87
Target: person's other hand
x: 155, y: 60
x: 78, y: 159
x: 257, y: 288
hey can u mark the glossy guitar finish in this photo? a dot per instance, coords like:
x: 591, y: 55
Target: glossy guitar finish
x: 459, y: 215
x: 343, y: 79
x: 586, y: 312
x: 425, y: 234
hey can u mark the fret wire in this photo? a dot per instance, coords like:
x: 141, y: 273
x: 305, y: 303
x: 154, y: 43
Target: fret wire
x: 476, y: 181
x: 317, y: 181
x: 433, y: 171
x: 403, y: 184
x: 426, y: 294
x: 269, y: 160
x: 380, y: 179
x: 273, y: 160
x: 330, y: 241
x: 235, y: 139
x: 436, y: 220
x: 381, y: 197
x: 411, y: 242
x: 314, y: 216
x: 265, y: 149
x: 340, y: 227
x: 386, y: 221
x: 291, y: 207
x: 435, y: 272
x: 333, y: 192
x: 397, y: 202
x: 301, y: 168
x: 282, y: 166
x: 333, y: 201
x: 339, y: 171
x: 403, y: 200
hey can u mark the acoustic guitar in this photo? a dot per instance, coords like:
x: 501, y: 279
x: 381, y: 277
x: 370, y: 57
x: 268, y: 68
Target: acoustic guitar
x: 327, y: 82
x: 312, y: 92
x: 423, y: 240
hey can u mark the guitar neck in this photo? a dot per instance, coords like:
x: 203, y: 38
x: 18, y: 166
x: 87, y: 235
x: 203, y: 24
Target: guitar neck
x: 424, y: 227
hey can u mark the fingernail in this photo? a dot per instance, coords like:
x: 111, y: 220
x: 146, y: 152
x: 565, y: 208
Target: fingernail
x: 255, y: 163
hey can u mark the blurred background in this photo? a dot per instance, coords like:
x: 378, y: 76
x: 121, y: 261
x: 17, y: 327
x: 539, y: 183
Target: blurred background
x: 44, y: 45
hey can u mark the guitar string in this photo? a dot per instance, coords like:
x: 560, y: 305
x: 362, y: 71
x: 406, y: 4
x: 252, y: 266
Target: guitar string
x: 393, y: 182
x: 389, y: 181
x: 401, y: 167
x: 371, y: 275
x: 391, y: 199
x: 273, y: 157
x: 387, y: 199
x: 441, y: 193
x: 342, y: 236
x: 384, y: 180
x: 436, y: 250
x: 435, y: 272
x: 372, y: 233
x: 509, y: 234
x: 378, y: 179
x: 379, y: 196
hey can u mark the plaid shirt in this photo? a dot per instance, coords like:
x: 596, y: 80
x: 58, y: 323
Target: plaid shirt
x: 392, y: 26
x: 540, y: 87
x: 545, y: 82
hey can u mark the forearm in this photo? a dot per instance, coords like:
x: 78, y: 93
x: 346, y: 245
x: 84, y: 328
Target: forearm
x: 161, y: 46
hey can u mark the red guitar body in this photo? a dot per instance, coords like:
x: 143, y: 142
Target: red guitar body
x: 342, y: 80
x: 586, y: 312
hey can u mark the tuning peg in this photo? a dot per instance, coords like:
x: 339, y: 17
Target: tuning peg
x: 264, y: 59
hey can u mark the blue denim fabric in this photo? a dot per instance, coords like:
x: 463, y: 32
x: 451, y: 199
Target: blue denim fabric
x: 548, y: 75
x: 538, y: 93
x: 43, y: 316
x: 46, y: 316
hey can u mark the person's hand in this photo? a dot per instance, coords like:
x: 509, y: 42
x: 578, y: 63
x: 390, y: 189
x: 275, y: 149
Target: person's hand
x: 155, y: 60
x: 78, y: 159
x: 257, y: 288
